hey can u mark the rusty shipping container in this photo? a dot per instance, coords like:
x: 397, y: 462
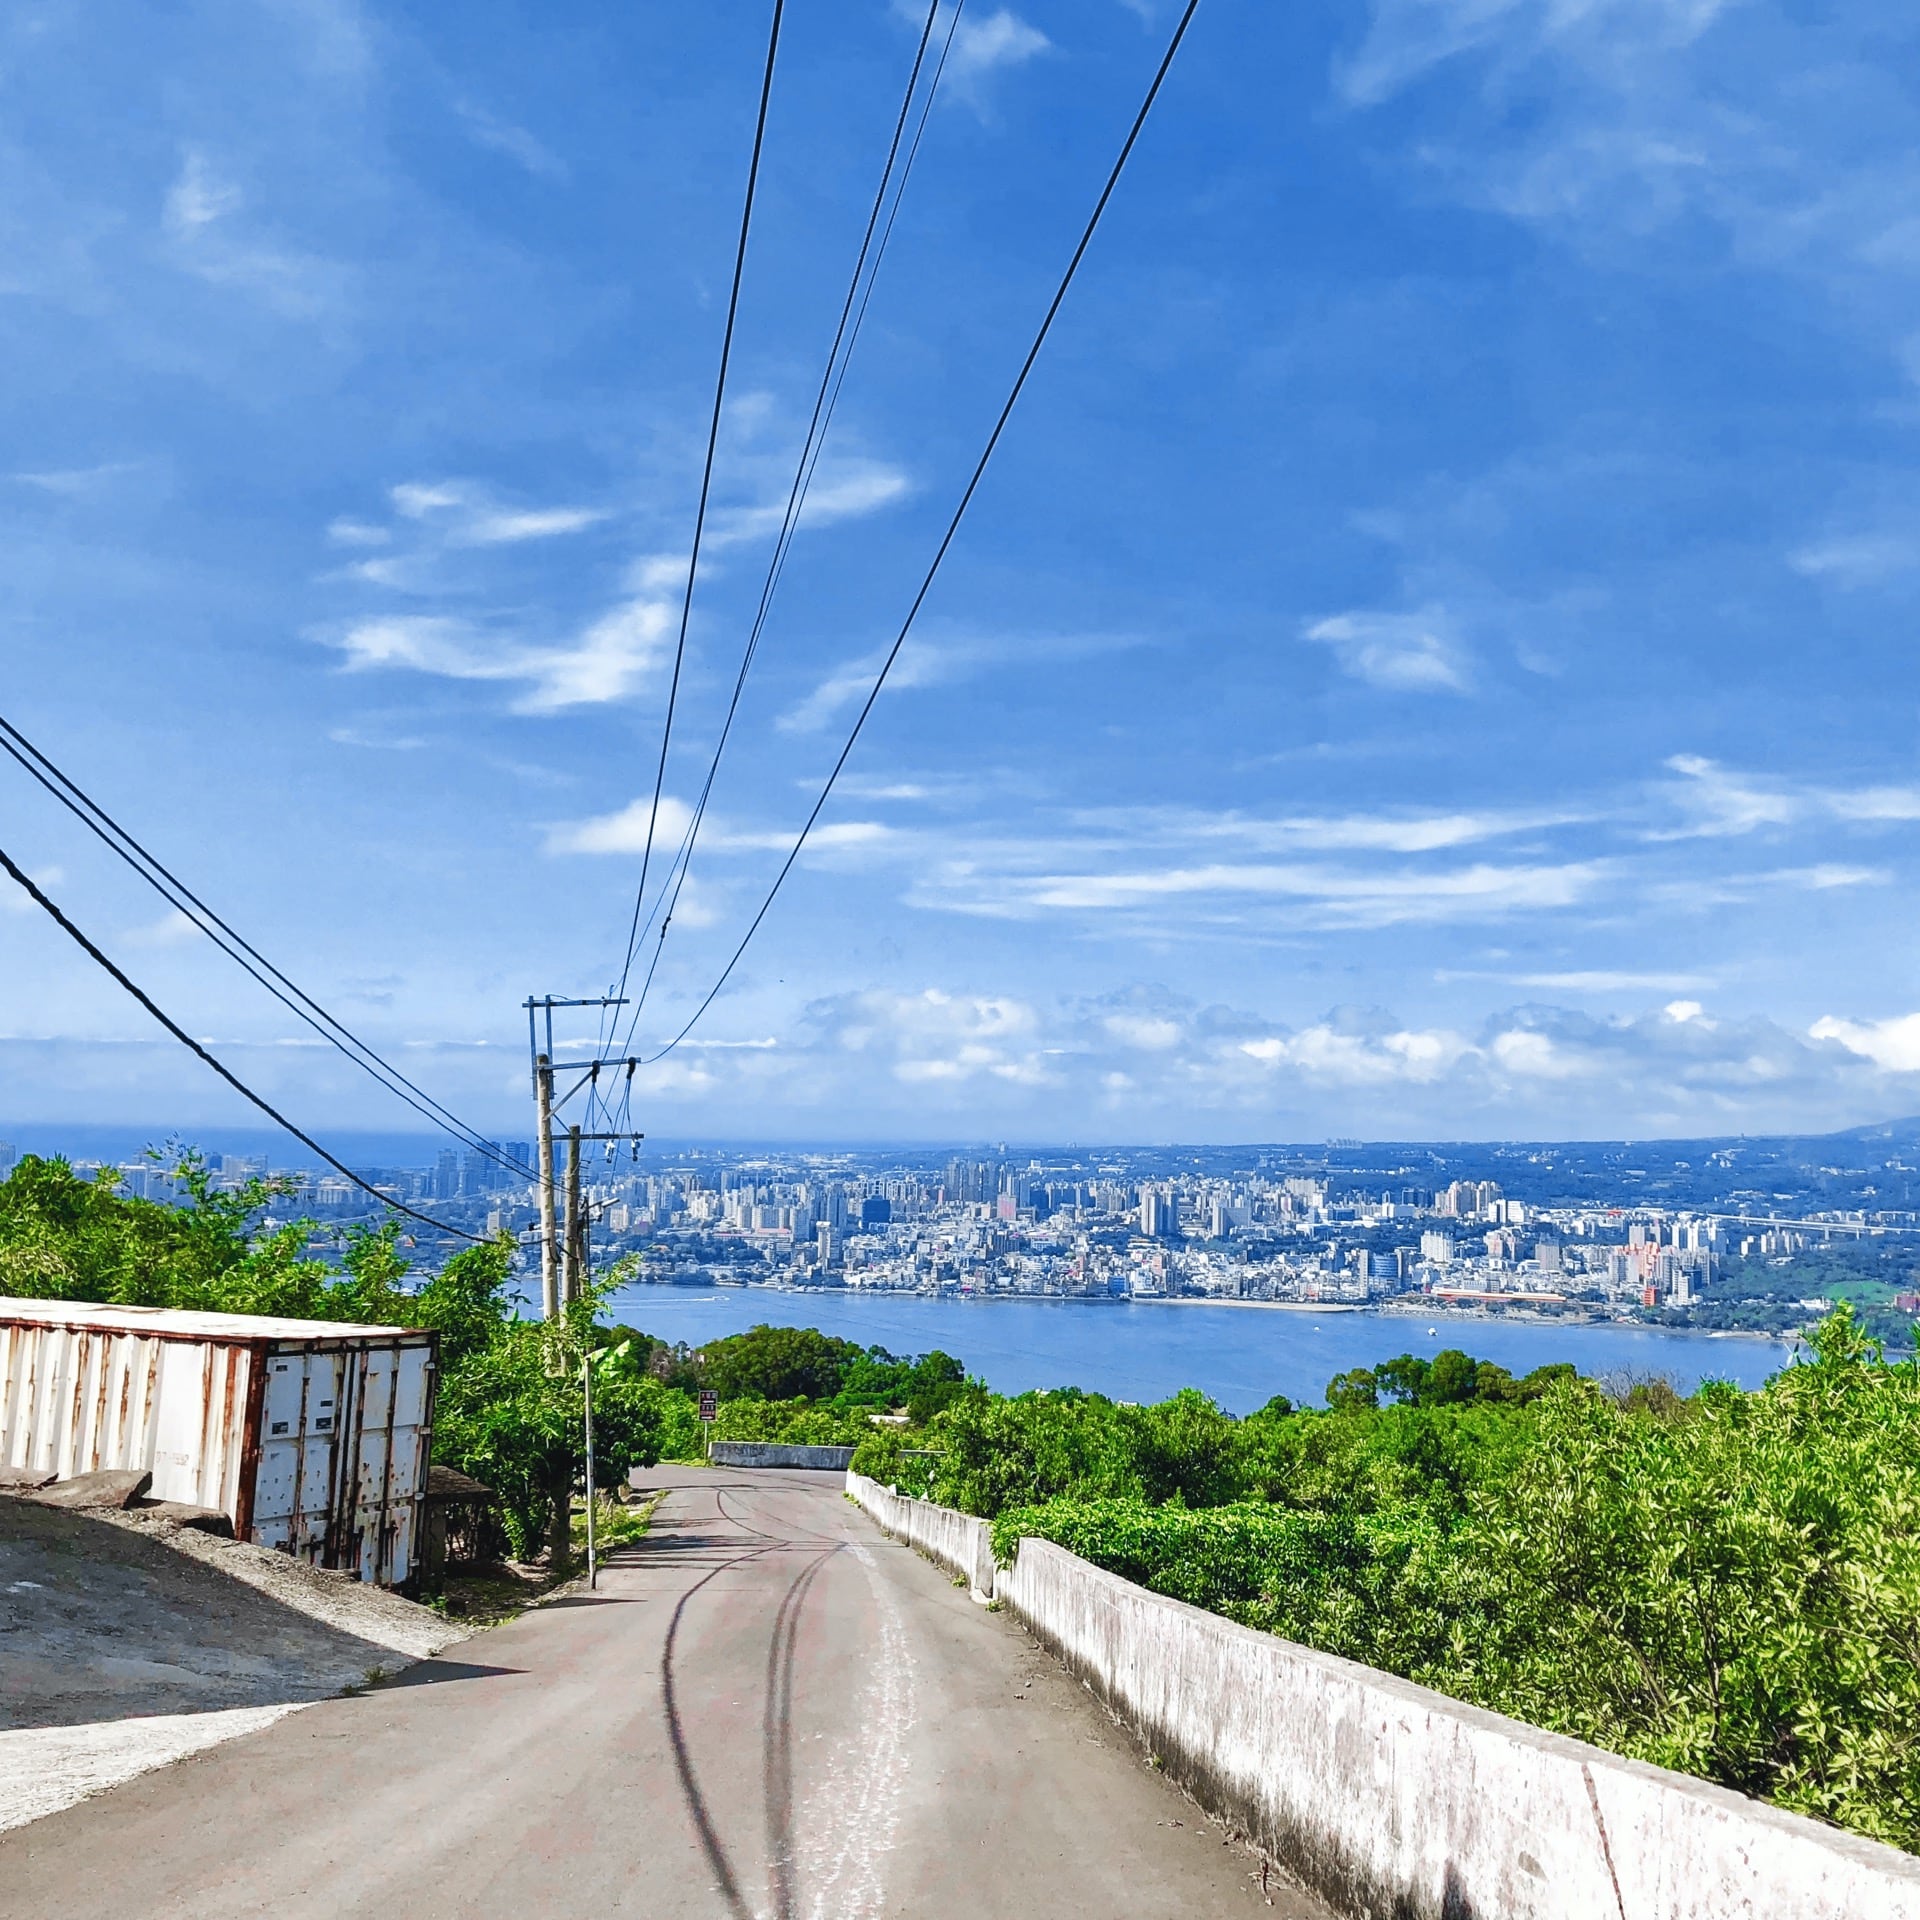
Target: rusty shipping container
x: 311, y: 1436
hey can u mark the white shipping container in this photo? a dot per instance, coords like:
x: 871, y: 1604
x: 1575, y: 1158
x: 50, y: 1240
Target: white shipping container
x: 310, y: 1435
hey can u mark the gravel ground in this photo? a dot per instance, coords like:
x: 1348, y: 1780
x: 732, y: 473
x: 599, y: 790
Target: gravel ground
x: 126, y: 1642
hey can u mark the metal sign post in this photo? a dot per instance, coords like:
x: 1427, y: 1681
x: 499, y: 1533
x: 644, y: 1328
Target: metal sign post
x: 586, y: 1390
x: 709, y: 1411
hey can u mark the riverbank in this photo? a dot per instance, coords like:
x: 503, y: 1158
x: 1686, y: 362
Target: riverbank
x: 1130, y: 1351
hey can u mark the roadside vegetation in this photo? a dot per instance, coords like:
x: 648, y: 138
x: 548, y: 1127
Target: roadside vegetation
x: 510, y: 1405
x: 1726, y: 1583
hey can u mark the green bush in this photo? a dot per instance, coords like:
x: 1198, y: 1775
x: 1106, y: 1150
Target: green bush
x: 794, y: 1422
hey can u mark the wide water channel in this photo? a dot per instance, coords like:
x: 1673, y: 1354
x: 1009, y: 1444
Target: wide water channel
x: 1146, y: 1350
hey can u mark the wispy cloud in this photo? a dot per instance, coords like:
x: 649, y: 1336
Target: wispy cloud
x: 170, y: 930
x: 625, y: 832
x: 14, y: 898
x: 1860, y: 559
x: 1716, y: 802
x: 1400, y: 652
x: 983, y: 47
x: 936, y: 661
x: 463, y: 514
x: 73, y: 483
x: 201, y: 218
x: 1338, y: 896
x: 502, y: 136
x: 609, y: 660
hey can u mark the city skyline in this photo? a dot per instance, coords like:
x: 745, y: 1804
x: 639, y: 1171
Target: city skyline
x: 1427, y: 661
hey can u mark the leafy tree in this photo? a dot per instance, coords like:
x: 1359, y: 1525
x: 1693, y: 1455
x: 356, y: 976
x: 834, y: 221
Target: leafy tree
x: 777, y: 1363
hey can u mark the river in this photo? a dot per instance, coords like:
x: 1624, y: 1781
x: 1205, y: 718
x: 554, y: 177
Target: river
x: 1146, y: 1350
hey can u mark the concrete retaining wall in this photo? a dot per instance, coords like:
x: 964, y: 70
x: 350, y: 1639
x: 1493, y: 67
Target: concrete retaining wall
x: 771, y: 1453
x: 1388, y: 1799
x: 955, y: 1541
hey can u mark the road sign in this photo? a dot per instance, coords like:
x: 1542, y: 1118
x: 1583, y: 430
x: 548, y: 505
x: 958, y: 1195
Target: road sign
x: 709, y: 1404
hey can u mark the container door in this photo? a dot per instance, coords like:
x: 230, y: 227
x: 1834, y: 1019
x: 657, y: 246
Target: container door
x: 396, y: 1398
x: 295, y: 1491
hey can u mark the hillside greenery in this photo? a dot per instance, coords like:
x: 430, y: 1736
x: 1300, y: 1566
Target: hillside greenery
x: 1727, y: 1583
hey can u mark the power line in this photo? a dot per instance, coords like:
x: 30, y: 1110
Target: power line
x: 953, y: 527
x: 227, y: 1074
x: 824, y: 403
x: 706, y: 484
x: 95, y: 818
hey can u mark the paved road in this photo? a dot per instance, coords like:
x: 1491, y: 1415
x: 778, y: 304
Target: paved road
x: 769, y: 1710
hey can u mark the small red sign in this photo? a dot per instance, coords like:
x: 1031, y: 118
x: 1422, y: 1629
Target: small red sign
x: 709, y: 1404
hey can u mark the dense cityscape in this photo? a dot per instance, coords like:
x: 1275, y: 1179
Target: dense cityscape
x: 1750, y: 1234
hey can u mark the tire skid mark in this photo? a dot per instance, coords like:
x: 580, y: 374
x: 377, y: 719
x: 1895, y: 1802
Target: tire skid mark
x: 855, y: 1810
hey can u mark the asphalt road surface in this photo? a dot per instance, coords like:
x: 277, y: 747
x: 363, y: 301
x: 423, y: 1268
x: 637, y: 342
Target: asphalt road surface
x: 769, y: 1709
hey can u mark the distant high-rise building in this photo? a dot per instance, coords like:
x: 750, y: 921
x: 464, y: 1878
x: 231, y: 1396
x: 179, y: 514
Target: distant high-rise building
x: 446, y: 1175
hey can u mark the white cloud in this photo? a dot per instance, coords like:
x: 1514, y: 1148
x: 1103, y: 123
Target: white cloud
x: 199, y: 196
x: 626, y: 832
x: 1144, y: 1030
x: 1339, y: 896
x: 982, y: 47
x: 843, y: 489
x: 609, y: 661
x: 1859, y: 560
x: 1533, y: 1055
x: 170, y: 930
x: 73, y: 483
x: 937, y: 1037
x: 1876, y: 803
x: 1723, y: 803
x: 1681, y: 1011
x: 1396, y: 832
x: 1893, y: 1044
x: 501, y: 136
x: 463, y: 515
x: 1400, y: 652
x: 14, y: 898
x: 200, y: 218
x: 1601, y: 980
x: 938, y: 661
x: 1329, y: 1052
x: 357, y: 533
x: 357, y: 737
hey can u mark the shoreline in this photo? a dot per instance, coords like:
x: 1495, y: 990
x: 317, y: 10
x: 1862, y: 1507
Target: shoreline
x: 1409, y: 1307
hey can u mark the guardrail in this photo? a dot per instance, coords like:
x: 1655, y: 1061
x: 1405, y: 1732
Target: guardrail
x: 1388, y: 1799
x: 774, y: 1453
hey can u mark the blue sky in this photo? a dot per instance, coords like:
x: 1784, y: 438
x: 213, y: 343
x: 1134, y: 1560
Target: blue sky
x: 1432, y: 656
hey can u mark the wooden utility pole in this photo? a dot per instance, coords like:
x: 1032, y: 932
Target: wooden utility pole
x: 549, y: 1237
x: 563, y: 1263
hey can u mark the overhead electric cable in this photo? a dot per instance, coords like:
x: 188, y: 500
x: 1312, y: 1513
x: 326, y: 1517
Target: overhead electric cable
x: 953, y: 527
x: 33, y: 892
x: 706, y: 485
x: 95, y: 818
x: 832, y: 379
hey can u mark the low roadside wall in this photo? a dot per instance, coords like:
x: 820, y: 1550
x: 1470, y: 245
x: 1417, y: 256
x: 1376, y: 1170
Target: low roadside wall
x: 771, y: 1453
x: 956, y: 1541
x: 1388, y: 1799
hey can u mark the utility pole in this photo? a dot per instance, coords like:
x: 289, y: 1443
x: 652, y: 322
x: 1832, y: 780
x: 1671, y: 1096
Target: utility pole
x: 563, y: 1263
x: 575, y: 1269
x: 549, y: 1262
